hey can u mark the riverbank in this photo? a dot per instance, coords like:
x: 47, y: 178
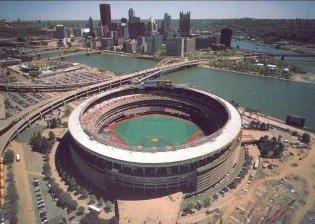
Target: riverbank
x: 141, y: 56
x: 298, y: 79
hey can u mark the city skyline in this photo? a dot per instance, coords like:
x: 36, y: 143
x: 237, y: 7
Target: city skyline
x: 82, y: 10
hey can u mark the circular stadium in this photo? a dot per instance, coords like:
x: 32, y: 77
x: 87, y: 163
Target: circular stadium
x: 155, y: 137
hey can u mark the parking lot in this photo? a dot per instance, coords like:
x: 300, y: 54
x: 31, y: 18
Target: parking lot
x: 45, y: 206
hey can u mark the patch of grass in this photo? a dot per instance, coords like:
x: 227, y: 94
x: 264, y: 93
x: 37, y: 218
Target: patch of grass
x: 34, y: 160
x: 26, y: 135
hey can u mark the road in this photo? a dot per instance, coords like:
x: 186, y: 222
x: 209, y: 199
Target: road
x: 26, y: 210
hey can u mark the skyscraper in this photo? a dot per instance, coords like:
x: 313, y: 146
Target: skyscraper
x: 135, y: 27
x: 151, y: 27
x: 166, y: 25
x: 105, y: 14
x: 226, y: 37
x: 91, y: 26
x: 184, y: 24
x: 132, y: 14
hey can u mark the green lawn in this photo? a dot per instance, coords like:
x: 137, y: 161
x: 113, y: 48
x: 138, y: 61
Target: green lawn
x: 26, y: 135
x: 156, y: 130
x: 33, y: 159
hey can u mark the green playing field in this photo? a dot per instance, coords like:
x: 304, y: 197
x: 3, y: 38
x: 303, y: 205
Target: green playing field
x: 156, y: 130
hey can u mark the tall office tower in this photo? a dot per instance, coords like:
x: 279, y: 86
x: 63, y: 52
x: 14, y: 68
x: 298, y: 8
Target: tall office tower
x: 175, y: 47
x: 151, y: 27
x: 123, y: 20
x: 91, y: 26
x: 226, y: 37
x: 135, y: 27
x: 131, y: 14
x: 153, y: 43
x: 166, y: 24
x: 184, y: 24
x: 106, y: 17
x: 60, y: 32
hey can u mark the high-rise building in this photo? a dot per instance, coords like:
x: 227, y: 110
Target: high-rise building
x: 123, y: 31
x: 136, y: 29
x: 141, y: 45
x: 60, y: 32
x: 226, y: 37
x: 132, y: 16
x: 184, y: 24
x: 130, y: 46
x: 166, y: 24
x: 189, y: 45
x: 123, y: 20
x: 106, y: 17
x: 91, y: 26
x: 153, y: 43
x: 151, y: 27
x: 77, y: 31
x: 175, y: 47
x: 107, y: 43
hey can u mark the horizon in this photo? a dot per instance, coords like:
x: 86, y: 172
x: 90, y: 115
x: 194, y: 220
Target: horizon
x: 71, y: 11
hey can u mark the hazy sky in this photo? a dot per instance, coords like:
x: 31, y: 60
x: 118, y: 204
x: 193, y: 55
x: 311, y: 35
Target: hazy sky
x: 71, y: 10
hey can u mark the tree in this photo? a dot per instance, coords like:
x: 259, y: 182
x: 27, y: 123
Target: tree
x: 47, y: 170
x: 72, y: 205
x: 40, y: 143
x: 84, y: 192
x: 206, y: 202
x: 68, y: 110
x: 72, y: 184
x: 51, y: 137
x: 306, y: 138
x: 8, y: 157
x: 109, y: 206
x: 64, y: 199
x: 101, y: 202
x: 80, y: 211
x: 189, y: 206
x: 90, y: 218
x: 92, y: 199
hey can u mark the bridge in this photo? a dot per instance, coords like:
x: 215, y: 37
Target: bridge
x: 25, y: 119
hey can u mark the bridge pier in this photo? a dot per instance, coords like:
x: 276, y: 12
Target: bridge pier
x: 99, y: 89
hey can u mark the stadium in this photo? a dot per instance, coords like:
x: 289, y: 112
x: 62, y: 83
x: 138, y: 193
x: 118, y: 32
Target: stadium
x: 155, y: 137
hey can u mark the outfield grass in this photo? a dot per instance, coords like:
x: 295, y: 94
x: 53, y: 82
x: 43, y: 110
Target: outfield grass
x: 156, y: 130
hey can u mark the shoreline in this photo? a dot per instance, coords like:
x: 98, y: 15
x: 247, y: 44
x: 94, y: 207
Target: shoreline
x: 255, y: 74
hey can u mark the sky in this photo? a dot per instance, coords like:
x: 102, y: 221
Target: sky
x: 82, y: 10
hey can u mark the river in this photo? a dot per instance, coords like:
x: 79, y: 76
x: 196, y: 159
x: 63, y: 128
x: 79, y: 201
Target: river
x: 116, y: 63
x: 270, y: 96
